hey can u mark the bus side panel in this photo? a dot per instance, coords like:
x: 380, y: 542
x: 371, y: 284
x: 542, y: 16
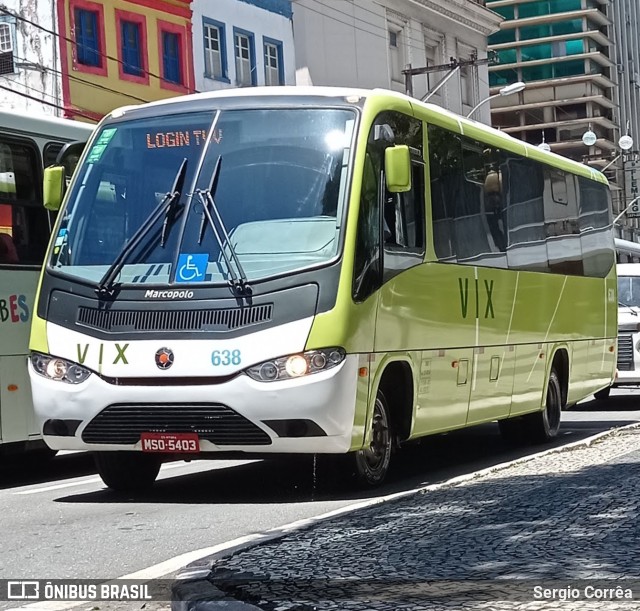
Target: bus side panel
x: 579, y: 366
x: 444, y: 383
x: 529, y: 378
x: 602, y: 363
x: 17, y: 420
x: 492, y: 383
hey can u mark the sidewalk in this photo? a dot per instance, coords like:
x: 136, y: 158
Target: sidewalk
x: 566, y: 520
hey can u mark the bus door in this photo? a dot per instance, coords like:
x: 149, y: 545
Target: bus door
x: 24, y: 233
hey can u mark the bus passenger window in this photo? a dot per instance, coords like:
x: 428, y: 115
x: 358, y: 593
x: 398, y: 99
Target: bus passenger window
x: 8, y: 252
x: 403, y: 226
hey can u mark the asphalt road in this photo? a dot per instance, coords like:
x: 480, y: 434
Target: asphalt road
x: 58, y: 520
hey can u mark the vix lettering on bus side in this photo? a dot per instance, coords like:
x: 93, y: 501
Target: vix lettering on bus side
x: 118, y: 357
x: 463, y: 284
x: 14, y: 309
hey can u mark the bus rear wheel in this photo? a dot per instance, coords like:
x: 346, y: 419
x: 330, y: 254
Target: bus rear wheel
x: 371, y: 464
x: 544, y: 426
x: 127, y: 471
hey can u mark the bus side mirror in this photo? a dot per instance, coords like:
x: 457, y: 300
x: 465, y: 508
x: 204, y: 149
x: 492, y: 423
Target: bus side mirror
x: 53, y: 187
x: 397, y: 168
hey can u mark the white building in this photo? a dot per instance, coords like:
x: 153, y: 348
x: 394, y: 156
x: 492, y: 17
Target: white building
x: 368, y: 44
x: 29, y: 57
x: 241, y: 43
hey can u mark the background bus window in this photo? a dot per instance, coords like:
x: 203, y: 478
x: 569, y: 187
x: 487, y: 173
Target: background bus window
x: 50, y: 153
x: 22, y: 219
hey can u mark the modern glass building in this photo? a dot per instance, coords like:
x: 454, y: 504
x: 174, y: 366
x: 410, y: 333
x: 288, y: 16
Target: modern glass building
x: 579, y: 60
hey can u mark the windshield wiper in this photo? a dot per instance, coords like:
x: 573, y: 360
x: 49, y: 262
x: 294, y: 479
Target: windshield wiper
x: 239, y: 282
x: 628, y: 306
x: 168, y: 208
x: 172, y: 204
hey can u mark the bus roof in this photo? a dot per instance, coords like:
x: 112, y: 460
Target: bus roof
x: 35, y: 124
x: 429, y: 112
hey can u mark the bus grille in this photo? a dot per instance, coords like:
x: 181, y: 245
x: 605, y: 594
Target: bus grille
x: 123, y: 424
x: 625, y: 352
x: 176, y: 320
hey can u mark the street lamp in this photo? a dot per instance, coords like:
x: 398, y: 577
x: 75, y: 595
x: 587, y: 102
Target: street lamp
x: 589, y: 138
x: 506, y: 90
x: 543, y: 145
x: 625, y: 143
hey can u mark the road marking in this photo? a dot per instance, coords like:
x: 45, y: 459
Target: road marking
x: 173, y: 565
x: 91, y: 480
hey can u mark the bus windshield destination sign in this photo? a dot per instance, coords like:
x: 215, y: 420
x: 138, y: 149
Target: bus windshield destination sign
x: 175, y: 139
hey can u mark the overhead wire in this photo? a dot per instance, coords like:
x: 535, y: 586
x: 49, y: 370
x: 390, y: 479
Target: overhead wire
x: 383, y: 36
x: 45, y: 102
x: 420, y: 43
x: 78, y: 79
x: 7, y: 11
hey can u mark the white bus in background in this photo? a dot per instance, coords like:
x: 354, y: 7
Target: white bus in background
x: 28, y: 143
x: 628, y: 364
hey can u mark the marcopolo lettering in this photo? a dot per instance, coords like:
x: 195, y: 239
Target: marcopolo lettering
x: 151, y: 294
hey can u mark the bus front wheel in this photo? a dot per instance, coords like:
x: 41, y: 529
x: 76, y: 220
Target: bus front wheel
x: 372, y: 463
x: 127, y: 471
x: 544, y: 426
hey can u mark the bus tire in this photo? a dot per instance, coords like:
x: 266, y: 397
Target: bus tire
x: 544, y: 425
x: 603, y: 394
x: 127, y: 471
x: 371, y: 464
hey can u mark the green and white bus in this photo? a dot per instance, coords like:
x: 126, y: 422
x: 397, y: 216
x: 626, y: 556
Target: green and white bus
x: 315, y: 271
x: 27, y: 143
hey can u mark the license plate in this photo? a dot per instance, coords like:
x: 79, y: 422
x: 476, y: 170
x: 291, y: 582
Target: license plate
x: 170, y: 442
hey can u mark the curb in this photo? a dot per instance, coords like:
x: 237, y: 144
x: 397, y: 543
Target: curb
x: 192, y: 590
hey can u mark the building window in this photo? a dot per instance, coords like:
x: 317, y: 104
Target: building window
x: 245, y: 58
x: 273, y: 68
x: 132, y: 44
x: 395, y: 54
x: 131, y: 48
x: 215, y: 56
x: 176, y: 69
x: 6, y: 48
x: 171, y: 69
x: 87, y: 38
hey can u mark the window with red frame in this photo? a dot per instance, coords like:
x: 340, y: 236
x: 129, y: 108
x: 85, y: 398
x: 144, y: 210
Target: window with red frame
x: 87, y: 37
x: 131, y: 37
x: 171, y: 59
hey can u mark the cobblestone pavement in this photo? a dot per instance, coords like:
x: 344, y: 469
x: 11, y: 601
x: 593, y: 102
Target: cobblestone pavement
x: 567, y: 520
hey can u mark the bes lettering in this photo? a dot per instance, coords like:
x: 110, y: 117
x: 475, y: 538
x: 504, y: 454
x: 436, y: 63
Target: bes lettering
x: 14, y: 309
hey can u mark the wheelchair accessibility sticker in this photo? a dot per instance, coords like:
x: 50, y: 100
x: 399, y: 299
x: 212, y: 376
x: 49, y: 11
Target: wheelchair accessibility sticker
x: 192, y: 268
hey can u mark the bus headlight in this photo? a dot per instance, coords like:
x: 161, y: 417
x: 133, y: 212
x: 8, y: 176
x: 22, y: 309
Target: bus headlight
x: 55, y: 368
x: 297, y: 365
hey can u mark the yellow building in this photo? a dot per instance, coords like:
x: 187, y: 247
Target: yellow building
x: 120, y: 52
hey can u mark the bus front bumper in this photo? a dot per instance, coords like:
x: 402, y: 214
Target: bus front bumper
x: 311, y: 414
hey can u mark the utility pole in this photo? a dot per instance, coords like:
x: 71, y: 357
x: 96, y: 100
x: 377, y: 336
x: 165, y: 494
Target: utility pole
x: 453, y: 65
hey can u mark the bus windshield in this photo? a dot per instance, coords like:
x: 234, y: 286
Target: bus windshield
x: 629, y: 291
x: 272, y: 181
